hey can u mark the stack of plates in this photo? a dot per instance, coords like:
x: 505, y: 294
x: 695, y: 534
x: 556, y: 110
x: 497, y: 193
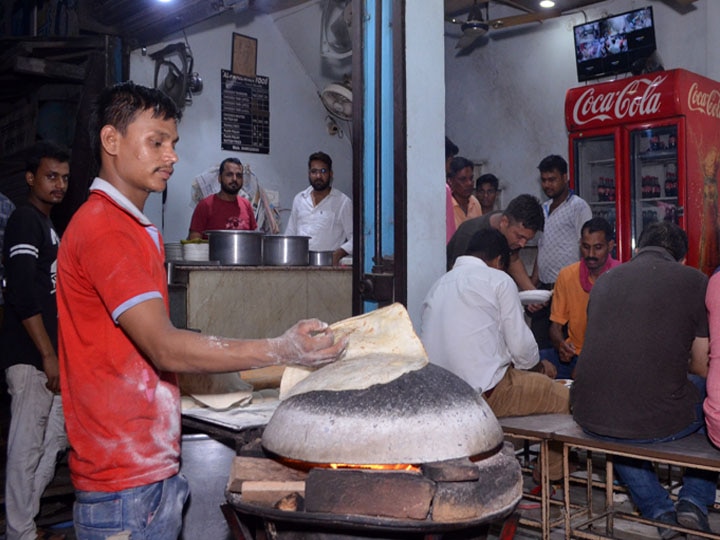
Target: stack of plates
x: 196, y: 251
x: 173, y: 251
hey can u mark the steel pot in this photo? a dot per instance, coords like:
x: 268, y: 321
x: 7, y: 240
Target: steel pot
x: 242, y: 248
x: 321, y: 258
x: 281, y: 250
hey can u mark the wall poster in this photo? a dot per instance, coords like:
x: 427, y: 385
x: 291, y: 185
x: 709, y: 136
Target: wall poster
x: 245, y: 110
x: 244, y: 55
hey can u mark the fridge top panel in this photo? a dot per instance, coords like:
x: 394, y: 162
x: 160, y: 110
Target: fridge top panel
x: 648, y: 97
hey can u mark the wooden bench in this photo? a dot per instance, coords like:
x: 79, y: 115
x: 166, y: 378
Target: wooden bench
x: 694, y: 451
x: 539, y: 429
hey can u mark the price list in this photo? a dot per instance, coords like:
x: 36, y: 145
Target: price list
x: 245, y: 103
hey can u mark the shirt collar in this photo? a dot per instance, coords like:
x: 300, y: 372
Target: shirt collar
x: 656, y: 251
x: 121, y: 200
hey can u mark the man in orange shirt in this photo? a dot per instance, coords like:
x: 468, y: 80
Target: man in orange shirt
x: 572, y: 291
x: 460, y: 180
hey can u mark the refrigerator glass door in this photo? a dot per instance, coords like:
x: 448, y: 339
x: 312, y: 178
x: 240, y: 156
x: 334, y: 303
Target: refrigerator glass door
x: 595, y: 175
x: 653, y: 177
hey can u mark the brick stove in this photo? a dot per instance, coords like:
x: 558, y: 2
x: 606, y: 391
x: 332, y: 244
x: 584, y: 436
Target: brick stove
x: 421, y: 456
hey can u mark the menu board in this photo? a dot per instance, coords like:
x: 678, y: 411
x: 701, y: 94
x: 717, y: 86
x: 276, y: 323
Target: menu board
x: 245, y: 103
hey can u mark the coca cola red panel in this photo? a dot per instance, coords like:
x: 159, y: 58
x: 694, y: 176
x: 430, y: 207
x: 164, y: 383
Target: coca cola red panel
x: 663, y: 131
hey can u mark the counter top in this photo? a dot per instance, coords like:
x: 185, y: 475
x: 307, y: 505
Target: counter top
x: 215, y: 266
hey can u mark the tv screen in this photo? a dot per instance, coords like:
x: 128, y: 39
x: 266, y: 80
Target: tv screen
x: 611, y: 45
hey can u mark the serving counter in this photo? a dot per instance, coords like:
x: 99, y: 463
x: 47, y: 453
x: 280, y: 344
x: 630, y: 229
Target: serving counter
x: 256, y: 301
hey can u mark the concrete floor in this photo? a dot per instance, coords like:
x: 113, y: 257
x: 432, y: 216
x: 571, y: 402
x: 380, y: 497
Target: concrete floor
x: 206, y: 463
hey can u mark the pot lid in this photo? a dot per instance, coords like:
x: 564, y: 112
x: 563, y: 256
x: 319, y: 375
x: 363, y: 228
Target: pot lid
x: 425, y: 415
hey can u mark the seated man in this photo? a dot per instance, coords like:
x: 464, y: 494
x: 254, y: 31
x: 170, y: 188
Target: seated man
x: 473, y: 325
x: 647, y: 328
x: 572, y: 290
x: 518, y: 223
x: 225, y: 209
x: 323, y: 213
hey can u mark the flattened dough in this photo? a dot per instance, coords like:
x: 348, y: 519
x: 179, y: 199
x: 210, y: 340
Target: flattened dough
x: 382, y: 346
x: 216, y: 390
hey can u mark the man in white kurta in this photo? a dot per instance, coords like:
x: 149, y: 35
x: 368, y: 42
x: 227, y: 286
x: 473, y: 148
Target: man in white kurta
x: 322, y: 212
x: 473, y: 325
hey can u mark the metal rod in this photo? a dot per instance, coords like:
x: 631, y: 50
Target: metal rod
x: 378, y: 130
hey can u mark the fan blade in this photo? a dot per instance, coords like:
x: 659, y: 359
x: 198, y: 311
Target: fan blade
x: 471, y: 34
x: 515, y: 20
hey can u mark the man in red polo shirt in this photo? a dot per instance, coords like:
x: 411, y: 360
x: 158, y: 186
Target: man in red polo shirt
x: 119, y: 351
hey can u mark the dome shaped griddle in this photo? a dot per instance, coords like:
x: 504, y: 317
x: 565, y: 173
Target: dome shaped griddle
x: 425, y: 415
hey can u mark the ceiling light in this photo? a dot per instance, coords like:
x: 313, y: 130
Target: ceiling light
x: 547, y: 4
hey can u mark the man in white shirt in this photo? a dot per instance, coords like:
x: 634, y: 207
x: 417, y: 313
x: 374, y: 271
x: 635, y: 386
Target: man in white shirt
x: 473, y: 325
x: 321, y: 212
x: 565, y: 214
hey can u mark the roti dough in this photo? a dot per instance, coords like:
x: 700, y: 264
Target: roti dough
x: 382, y: 346
x: 216, y: 390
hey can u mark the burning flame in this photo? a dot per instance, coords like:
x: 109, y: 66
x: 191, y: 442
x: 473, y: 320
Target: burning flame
x: 306, y: 465
x: 388, y: 467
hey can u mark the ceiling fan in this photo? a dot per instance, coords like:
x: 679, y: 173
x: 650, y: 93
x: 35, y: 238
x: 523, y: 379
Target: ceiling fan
x: 477, y: 26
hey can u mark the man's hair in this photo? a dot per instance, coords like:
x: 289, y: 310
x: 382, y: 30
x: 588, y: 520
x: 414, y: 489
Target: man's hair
x: 120, y: 104
x: 234, y: 160
x: 598, y: 224
x: 488, y: 244
x: 487, y: 179
x: 458, y: 164
x: 527, y: 211
x: 321, y: 156
x: 451, y: 148
x: 666, y: 235
x: 45, y: 149
x: 552, y: 163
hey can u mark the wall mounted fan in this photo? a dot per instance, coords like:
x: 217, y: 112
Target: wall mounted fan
x: 337, y: 98
x: 179, y: 82
x: 336, y: 39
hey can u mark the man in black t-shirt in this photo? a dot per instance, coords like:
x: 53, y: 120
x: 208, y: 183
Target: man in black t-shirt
x: 29, y: 340
x: 641, y: 374
x: 518, y: 223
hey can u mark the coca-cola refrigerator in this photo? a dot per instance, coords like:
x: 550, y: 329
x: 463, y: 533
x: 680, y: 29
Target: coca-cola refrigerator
x: 646, y: 149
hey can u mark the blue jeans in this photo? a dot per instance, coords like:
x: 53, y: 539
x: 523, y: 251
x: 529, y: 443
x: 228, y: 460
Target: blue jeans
x: 151, y: 512
x: 639, y: 476
x: 564, y: 370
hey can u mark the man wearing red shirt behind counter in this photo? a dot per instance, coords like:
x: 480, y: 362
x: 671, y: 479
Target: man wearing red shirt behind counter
x: 225, y: 209
x: 118, y: 350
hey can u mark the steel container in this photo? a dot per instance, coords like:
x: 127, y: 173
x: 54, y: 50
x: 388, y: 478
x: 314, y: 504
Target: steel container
x: 242, y: 248
x: 281, y: 250
x: 321, y: 258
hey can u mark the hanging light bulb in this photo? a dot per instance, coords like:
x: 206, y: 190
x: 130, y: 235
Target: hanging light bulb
x: 547, y: 4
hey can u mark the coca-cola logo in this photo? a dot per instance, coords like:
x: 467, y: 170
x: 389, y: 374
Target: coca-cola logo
x: 640, y: 97
x: 704, y: 102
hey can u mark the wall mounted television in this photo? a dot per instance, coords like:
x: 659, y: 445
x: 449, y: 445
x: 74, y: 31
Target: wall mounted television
x: 611, y: 45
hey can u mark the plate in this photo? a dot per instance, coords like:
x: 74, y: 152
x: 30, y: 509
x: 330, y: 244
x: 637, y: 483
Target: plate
x: 536, y: 296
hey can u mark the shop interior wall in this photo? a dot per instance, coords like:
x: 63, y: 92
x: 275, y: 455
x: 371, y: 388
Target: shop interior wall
x: 298, y: 120
x: 505, y: 100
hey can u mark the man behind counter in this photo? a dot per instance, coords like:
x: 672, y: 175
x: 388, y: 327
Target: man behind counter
x: 322, y: 212
x: 225, y: 209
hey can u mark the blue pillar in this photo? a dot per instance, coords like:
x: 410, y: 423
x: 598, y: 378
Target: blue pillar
x: 378, y: 135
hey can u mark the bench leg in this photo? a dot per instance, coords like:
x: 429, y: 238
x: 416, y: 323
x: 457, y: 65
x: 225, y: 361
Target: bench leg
x: 546, y: 489
x: 609, y: 502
